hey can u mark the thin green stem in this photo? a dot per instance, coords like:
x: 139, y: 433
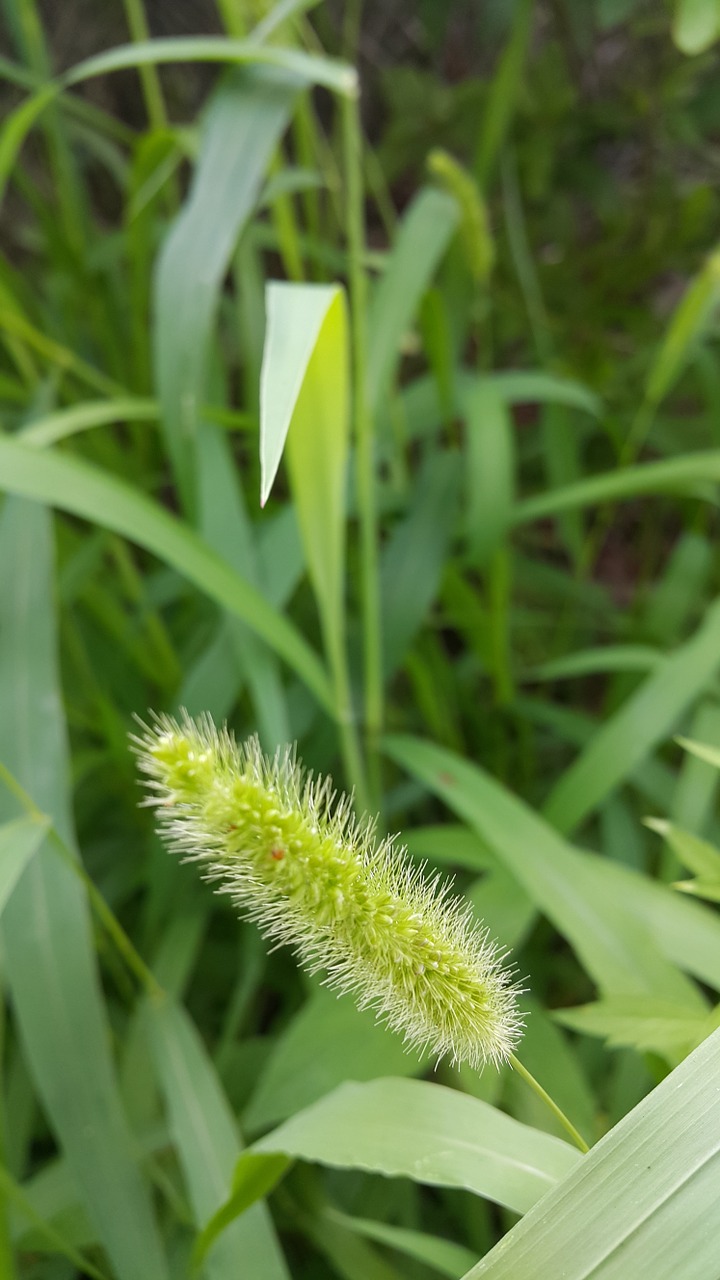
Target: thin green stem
x: 149, y: 77
x: 353, y: 762
x: 523, y: 260
x: 351, y: 30
x: 499, y: 592
x: 7, y: 1257
x: 365, y: 463
x: 57, y: 354
x: 560, y: 1116
x: 305, y: 133
x: 282, y: 212
x: 125, y: 948
x: 58, y: 1242
x: 61, y: 160
x: 109, y: 920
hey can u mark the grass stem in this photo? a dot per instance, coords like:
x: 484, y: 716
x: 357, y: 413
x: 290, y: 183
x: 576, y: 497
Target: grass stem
x: 149, y: 78
x: 560, y: 1116
x: 365, y: 462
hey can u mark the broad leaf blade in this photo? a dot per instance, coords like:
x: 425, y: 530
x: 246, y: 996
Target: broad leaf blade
x: 225, y: 525
x: 423, y: 1131
x: 423, y: 237
x: 19, y: 842
x: 641, y: 1203
x: 577, y: 892
x: 645, y: 719
x: 246, y: 118
x: 444, y: 1256
x: 95, y: 495
x: 296, y: 314
x: 304, y: 398
x: 656, y: 1026
x: 491, y: 468
x: 46, y: 929
x: 413, y: 559
x: 209, y: 1145
x: 310, y: 69
x: 691, y: 472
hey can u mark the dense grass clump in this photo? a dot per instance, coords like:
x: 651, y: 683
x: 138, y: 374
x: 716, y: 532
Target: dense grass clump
x: 359, y: 390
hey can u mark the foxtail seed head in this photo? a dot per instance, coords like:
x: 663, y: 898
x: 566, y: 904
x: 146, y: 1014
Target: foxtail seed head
x: 296, y: 861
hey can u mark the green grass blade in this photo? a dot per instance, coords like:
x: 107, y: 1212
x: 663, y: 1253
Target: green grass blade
x: 703, y: 750
x: 694, y: 799
x: 586, y: 662
x: 412, y: 560
x: 245, y: 120
x: 299, y: 346
x: 643, y: 721
x: 16, y: 128
x: 640, y: 1203
x: 59, y: 356
x: 562, y: 449
x: 278, y: 14
x: 308, y: 68
x: 519, y: 386
x: 47, y: 938
x: 594, y: 895
x: 500, y: 903
x: 689, y: 473
x: 414, y: 1129
x: 443, y: 1256
x: 328, y: 1042
x: 224, y: 523
x: 419, y: 404
x: 504, y: 90
x: 410, y: 1129
x: 688, y: 322
x: 423, y: 237
x: 305, y: 406
x: 256, y: 1176
x: 86, y: 491
x: 208, y: 1146
x: 51, y: 427
x: 685, y: 932
x: 304, y: 391
x: 490, y: 475
x: 613, y: 945
x: 19, y: 842
x: 46, y: 1234
x: 650, y: 1026
x: 673, y: 603
x: 350, y: 1257
x: 697, y: 855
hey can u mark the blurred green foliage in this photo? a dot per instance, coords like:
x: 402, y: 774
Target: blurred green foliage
x: 523, y: 213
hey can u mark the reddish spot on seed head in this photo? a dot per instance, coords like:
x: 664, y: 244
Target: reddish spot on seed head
x: 277, y: 854
x: 232, y: 826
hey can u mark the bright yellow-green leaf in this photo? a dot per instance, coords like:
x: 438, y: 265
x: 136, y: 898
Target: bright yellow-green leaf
x: 304, y: 408
x: 696, y: 24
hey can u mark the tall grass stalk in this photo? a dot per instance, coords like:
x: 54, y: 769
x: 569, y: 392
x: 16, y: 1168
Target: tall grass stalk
x: 365, y: 444
x: 149, y: 75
